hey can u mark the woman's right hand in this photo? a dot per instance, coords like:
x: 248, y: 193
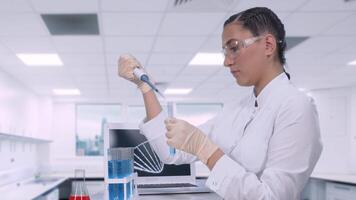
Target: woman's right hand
x: 126, y: 66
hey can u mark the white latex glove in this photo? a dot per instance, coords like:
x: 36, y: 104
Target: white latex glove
x: 186, y: 137
x: 126, y: 66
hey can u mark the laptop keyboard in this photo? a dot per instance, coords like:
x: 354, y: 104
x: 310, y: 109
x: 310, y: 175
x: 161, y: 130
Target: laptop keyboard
x: 166, y: 185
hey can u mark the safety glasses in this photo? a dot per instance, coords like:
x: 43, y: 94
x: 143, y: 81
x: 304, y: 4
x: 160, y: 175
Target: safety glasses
x: 233, y: 46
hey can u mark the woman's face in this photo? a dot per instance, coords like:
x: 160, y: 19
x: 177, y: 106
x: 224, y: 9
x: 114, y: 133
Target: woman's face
x: 247, y: 64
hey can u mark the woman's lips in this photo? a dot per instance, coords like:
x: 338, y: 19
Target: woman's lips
x: 235, y: 73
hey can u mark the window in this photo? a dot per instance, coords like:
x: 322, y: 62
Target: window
x: 89, y: 126
x: 197, y: 113
x: 136, y: 113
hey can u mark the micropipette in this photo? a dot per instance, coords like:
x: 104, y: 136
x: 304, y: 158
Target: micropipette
x: 140, y: 74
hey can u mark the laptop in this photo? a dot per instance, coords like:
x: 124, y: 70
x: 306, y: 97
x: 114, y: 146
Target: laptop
x: 172, y: 179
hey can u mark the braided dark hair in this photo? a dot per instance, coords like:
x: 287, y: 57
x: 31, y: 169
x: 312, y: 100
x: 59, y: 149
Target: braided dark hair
x: 260, y: 20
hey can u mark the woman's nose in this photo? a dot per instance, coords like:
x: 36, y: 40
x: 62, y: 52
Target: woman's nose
x: 228, y: 61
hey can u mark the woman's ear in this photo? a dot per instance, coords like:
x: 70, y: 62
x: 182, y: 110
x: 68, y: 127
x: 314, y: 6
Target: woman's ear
x: 270, y: 45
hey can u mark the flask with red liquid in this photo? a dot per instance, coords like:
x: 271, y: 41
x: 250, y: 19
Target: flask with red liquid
x: 79, y: 189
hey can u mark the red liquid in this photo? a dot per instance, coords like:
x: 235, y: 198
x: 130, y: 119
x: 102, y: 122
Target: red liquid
x: 72, y: 197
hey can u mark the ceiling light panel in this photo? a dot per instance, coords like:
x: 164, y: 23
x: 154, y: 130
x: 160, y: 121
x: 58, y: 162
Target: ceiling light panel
x: 207, y: 59
x: 177, y: 91
x: 40, y: 59
x: 65, y: 92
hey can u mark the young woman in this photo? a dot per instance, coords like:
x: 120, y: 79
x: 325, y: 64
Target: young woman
x: 263, y: 147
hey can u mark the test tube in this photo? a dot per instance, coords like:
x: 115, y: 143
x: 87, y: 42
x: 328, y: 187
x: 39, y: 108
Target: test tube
x: 172, y: 150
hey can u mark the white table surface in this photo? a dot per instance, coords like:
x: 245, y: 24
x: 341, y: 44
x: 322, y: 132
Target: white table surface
x: 198, y: 196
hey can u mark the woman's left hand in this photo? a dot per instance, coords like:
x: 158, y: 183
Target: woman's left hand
x: 186, y: 137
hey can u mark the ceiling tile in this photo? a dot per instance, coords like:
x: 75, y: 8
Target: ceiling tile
x: 169, y: 59
x: 189, y: 79
x: 132, y: 45
x: 223, y: 75
x: 322, y: 44
x: 65, y: 6
x: 21, y: 25
x: 78, y: 44
x: 345, y: 27
x: 10, y: 60
x: 84, y: 70
x: 309, y: 23
x: 197, y: 6
x: 338, y: 59
x: 131, y: 24
x: 4, y: 49
x: 15, y: 6
x: 82, y: 59
x: 29, y: 44
x: 213, y: 44
x: 329, y: 5
x: 218, y: 30
x: 89, y: 79
x: 189, y: 82
x: 212, y: 86
x: 133, y: 5
x: 200, y: 70
x: 164, y: 69
x: 112, y: 59
x: 275, y: 5
x: 178, y: 44
x: 200, y: 24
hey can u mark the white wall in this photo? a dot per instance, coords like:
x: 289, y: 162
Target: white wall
x: 336, y: 110
x: 22, y: 113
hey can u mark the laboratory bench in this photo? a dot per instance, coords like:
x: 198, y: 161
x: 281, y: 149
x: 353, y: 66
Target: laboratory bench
x: 320, y: 187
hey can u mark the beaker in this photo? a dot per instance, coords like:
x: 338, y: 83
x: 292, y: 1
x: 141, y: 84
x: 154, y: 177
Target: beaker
x: 120, y: 173
x: 79, y: 189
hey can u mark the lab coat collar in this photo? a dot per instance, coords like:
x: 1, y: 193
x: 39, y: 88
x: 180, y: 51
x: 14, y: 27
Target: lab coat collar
x: 271, y: 87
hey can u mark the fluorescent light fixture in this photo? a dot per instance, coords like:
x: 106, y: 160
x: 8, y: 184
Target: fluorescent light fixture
x: 178, y: 91
x: 352, y: 63
x: 38, y: 59
x: 66, y: 92
x: 207, y: 59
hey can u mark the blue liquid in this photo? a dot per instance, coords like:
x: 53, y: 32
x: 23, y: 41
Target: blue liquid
x: 120, y: 169
x: 172, y: 151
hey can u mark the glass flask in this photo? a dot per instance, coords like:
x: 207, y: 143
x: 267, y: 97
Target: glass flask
x: 79, y: 189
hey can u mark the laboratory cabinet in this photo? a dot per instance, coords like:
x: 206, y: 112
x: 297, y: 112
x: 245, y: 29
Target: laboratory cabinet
x: 52, y: 195
x: 339, y: 191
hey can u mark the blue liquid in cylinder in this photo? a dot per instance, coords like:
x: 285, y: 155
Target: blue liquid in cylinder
x: 120, y: 169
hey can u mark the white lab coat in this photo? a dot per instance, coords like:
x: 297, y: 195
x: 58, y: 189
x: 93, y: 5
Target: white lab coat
x: 270, y: 150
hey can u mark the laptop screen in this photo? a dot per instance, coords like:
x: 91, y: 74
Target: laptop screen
x: 132, y: 138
